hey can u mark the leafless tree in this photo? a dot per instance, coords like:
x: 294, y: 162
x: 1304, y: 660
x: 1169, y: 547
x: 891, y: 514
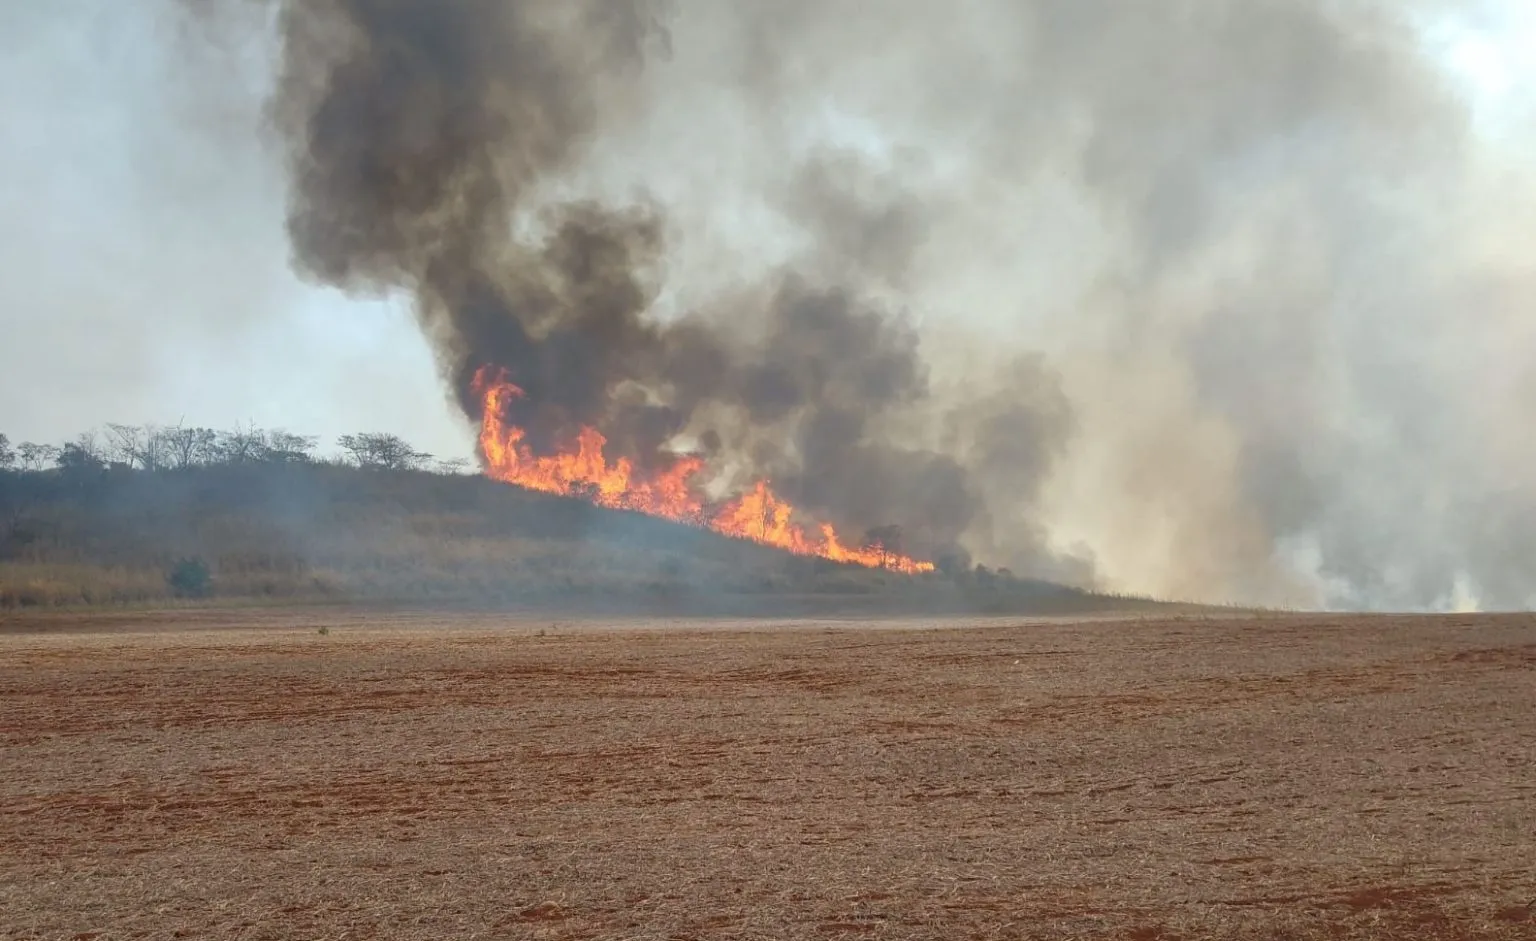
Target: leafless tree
x: 87, y: 444
x: 382, y: 451
x: 36, y: 457
x: 187, y: 447
x: 7, y: 453
x: 241, y: 446
x: 283, y: 447
x: 121, y: 444
x: 144, y: 447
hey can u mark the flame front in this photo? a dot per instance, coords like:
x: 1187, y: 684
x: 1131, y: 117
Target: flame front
x: 582, y: 470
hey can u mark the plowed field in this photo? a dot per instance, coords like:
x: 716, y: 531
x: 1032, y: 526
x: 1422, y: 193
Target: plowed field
x: 1243, y: 778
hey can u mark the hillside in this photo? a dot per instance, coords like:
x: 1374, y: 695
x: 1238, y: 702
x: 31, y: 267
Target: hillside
x: 316, y: 531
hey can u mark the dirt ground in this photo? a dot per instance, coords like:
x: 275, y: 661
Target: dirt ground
x: 473, y: 777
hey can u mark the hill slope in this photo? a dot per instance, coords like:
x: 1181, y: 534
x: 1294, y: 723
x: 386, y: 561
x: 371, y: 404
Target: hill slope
x: 319, y: 531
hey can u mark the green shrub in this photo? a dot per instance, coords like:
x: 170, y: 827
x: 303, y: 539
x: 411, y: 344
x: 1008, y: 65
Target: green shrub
x: 190, y: 578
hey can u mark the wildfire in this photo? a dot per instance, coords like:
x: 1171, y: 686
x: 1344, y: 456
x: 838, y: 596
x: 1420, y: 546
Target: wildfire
x: 582, y: 470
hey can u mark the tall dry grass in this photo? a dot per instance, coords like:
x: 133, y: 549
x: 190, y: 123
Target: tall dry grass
x: 324, y: 532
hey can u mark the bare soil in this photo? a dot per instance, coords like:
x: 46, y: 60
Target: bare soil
x: 474, y: 777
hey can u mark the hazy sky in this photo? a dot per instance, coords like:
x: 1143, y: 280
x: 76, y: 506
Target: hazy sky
x: 145, y: 272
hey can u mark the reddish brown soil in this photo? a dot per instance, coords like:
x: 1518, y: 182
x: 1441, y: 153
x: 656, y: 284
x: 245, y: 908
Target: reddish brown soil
x: 1260, y: 778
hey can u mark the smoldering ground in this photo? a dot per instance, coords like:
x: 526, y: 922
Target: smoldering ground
x: 1197, y: 299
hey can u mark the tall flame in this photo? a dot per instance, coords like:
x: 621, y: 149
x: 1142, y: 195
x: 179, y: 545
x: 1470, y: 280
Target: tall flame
x: 582, y: 470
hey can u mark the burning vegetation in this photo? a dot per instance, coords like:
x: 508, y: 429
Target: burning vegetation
x: 792, y: 407
x: 582, y: 470
x: 1095, y: 295
x: 133, y: 514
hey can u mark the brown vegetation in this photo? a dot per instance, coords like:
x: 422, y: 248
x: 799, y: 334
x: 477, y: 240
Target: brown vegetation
x: 287, y: 531
x: 411, y: 777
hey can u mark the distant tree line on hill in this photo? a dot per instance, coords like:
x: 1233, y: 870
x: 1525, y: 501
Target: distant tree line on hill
x: 173, y: 447
x: 141, y: 513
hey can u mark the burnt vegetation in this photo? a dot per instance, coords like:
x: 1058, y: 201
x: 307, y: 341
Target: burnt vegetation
x: 145, y: 515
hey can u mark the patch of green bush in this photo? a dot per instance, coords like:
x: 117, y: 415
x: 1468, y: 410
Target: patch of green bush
x: 190, y: 578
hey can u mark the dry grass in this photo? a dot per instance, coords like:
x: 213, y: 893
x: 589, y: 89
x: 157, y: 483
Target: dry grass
x: 59, y: 584
x: 1262, y: 778
x: 309, y: 533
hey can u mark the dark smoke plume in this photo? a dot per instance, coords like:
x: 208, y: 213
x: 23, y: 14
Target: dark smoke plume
x: 419, y: 132
x: 425, y: 136
x: 1097, y: 289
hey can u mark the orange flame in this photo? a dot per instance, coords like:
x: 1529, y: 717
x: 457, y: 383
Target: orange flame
x: 582, y: 470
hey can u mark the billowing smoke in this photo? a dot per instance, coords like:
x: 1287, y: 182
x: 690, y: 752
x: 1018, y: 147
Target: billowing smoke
x: 1210, y: 299
x: 429, y: 143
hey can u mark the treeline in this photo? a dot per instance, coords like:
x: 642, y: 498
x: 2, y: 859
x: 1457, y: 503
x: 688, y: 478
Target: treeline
x: 115, y: 450
x: 145, y: 514
x: 173, y: 447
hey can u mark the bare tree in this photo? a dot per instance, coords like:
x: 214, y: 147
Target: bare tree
x: 36, y: 457
x: 382, y: 451
x: 7, y: 453
x: 286, y: 448
x: 87, y: 444
x: 187, y: 447
x: 138, y: 446
x: 241, y: 446
x: 152, y: 448
x: 121, y: 443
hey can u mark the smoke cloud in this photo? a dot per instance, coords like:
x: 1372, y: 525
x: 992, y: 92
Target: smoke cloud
x: 1214, y: 302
